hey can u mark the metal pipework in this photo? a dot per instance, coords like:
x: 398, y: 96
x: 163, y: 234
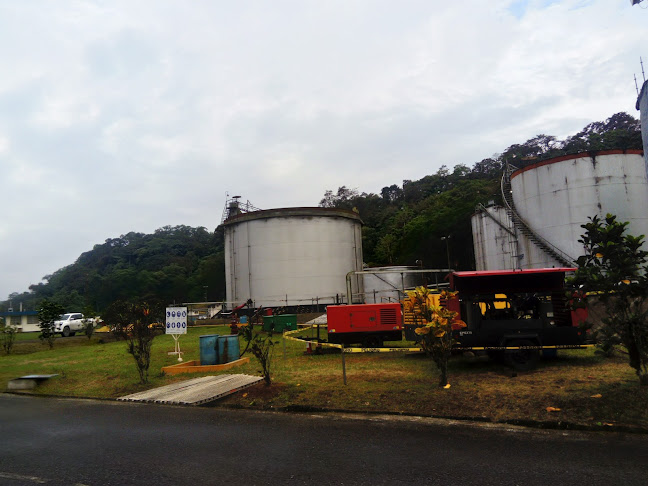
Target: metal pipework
x: 370, y: 272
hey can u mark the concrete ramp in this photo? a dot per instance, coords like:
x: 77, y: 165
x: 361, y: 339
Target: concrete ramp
x: 196, y: 391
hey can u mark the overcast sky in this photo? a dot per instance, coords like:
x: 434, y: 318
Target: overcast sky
x: 120, y: 116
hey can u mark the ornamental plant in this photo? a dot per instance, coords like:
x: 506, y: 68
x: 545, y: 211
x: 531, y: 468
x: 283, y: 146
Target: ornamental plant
x: 613, y: 271
x: 261, y: 346
x: 7, y: 337
x: 135, y: 323
x: 434, y: 326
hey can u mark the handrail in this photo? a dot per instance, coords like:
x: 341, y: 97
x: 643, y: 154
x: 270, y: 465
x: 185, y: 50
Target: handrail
x: 541, y: 242
x: 372, y: 272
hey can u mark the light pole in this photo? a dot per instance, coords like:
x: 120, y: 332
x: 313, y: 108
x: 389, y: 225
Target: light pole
x: 447, y: 240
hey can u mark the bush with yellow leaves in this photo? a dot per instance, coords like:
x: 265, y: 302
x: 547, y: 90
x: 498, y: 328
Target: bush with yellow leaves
x: 434, y: 327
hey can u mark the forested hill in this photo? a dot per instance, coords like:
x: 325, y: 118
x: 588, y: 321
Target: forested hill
x: 404, y: 224
x: 177, y: 263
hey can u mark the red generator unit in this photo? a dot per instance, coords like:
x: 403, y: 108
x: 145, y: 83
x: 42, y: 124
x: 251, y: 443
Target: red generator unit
x: 366, y: 324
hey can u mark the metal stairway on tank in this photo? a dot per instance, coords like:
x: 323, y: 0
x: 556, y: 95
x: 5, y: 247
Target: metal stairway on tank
x: 523, y: 227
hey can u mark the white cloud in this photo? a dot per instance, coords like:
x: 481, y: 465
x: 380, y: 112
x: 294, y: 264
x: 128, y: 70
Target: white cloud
x: 121, y: 116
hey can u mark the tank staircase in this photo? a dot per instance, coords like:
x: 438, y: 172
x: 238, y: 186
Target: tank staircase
x: 523, y: 227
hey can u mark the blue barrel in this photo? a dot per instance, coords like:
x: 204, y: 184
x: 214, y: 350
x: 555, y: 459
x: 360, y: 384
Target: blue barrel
x: 209, y: 349
x: 228, y: 348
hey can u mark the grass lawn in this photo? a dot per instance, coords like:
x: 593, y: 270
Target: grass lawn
x: 587, y: 389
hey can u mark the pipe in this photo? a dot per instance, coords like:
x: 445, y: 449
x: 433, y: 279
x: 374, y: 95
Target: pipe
x: 370, y: 272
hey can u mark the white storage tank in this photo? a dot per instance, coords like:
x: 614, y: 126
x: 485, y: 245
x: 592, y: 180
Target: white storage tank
x: 292, y: 256
x: 642, y: 106
x: 494, y: 239
x: 389, y: 283
x: 556, y: 196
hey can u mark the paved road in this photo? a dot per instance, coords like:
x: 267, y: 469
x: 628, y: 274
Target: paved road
x: 83, y: 442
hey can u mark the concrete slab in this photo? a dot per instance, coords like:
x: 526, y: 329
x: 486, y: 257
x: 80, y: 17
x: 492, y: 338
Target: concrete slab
x: 196, y: 391
x: 318, y: 320
x: 28, y: 382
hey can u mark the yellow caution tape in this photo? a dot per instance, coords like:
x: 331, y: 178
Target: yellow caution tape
x: 288, y: 335
x: 383, y: 350
x: 503, y: 348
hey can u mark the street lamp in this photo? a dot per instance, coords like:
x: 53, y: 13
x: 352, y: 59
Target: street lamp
x: 447, y: 240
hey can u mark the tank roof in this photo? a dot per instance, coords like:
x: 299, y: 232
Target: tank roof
x: 579, y: 155
x: 307, y: 212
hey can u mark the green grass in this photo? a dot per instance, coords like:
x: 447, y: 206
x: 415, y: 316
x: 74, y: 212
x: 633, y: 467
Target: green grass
x: 385, y: 382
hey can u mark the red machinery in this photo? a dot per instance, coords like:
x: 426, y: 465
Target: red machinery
x: 368, y: 324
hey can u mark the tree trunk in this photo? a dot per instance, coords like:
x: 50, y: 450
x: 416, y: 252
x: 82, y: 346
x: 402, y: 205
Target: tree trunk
x: 443, y: 369
x: 643, y: 378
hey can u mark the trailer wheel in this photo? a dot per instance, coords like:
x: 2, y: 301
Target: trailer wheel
x: 522, y: 359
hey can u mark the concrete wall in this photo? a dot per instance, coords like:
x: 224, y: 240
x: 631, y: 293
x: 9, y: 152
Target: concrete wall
x: 24, y: 323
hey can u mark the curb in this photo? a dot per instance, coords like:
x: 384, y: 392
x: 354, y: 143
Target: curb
x: 448, y: 419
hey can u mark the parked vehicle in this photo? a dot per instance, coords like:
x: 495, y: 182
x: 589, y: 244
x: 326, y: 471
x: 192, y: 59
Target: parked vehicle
x: 527, y: 309
x: 69, y: 324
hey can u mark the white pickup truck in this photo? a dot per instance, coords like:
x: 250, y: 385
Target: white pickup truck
x: 70, y: 324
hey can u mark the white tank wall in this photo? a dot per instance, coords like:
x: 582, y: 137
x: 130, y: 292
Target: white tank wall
x: 556, y: 197
x: 291, y: 257
x: 498, y: 249
x: 642, y: 105
x: 495, y: 248
x: 381, y: 287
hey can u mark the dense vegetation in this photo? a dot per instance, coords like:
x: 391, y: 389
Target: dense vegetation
x: 402, y: 225
x: 174, y: 264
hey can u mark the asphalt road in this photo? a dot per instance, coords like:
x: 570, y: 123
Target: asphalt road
x: 84, y: 442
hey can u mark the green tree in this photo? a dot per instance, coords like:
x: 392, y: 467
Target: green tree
x: 614, y: 272
x: 49, y: 312
x: 7, y: 337
x: 261, y: 346
x: 133, y: 321
x: 88, y: 321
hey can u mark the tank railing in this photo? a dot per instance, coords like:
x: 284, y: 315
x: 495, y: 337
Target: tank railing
x: 243, y: 207
x: 524, y: 227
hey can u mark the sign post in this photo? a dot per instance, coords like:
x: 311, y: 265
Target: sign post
x: 176, y: 325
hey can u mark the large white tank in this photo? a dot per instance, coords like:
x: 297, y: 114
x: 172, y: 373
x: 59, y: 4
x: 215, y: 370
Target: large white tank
x: 494, y: 239
x: 556, y: 196
x: 389, y: 283
x: 292, y: 256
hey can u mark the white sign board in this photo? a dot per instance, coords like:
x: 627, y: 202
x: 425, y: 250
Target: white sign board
x: 176, y: 320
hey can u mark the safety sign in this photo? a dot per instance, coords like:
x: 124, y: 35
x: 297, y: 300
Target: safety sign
x: 176, y: 320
